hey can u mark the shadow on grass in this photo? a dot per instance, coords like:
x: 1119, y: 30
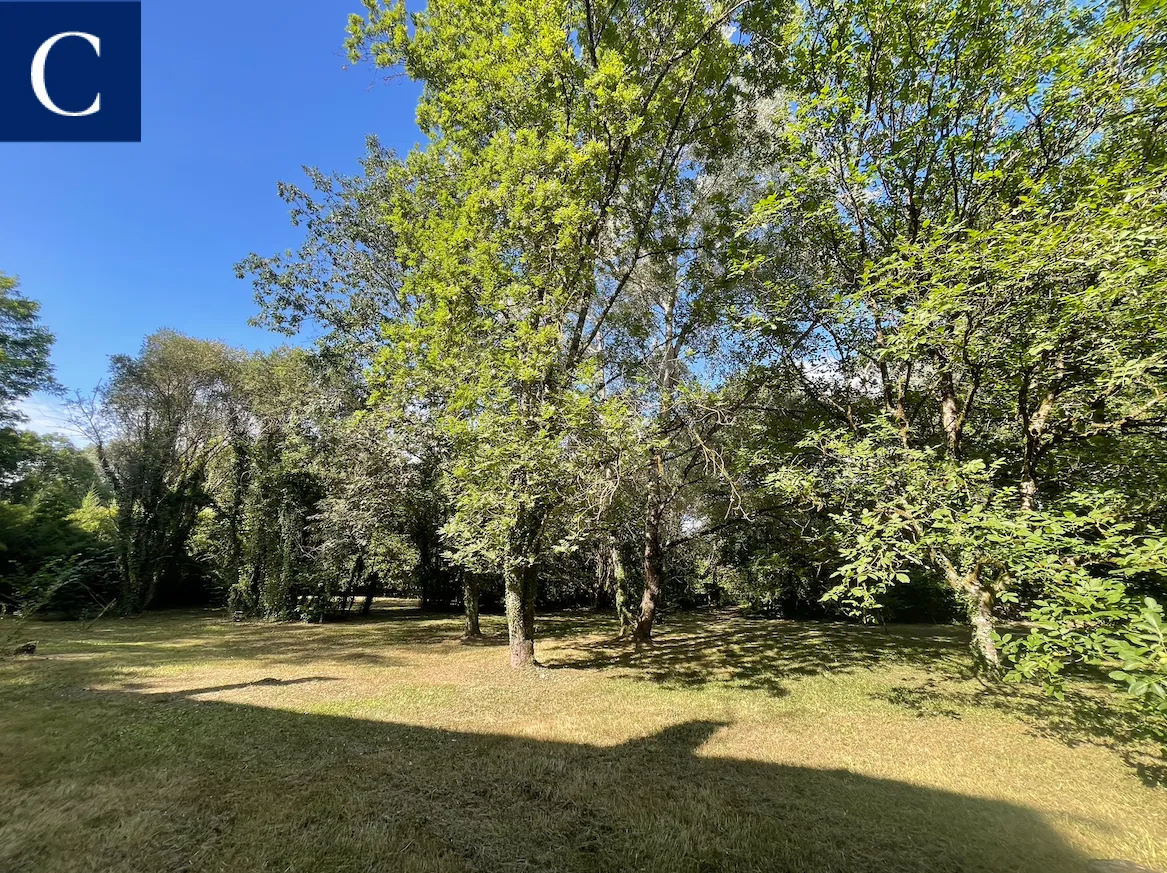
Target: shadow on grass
x: 188, y: 636
x: 1099, y: 718
x: 691, y: 650
x: 696, y: 649
x: 485, y: 641
x: 165, y: 782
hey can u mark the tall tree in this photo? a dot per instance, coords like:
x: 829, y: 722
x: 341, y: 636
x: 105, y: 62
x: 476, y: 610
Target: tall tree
x: 558, y: 134
x: 938, y: 161
x: 156, y: 424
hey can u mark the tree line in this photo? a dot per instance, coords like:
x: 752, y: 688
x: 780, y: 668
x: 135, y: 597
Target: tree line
x: 849, y: 308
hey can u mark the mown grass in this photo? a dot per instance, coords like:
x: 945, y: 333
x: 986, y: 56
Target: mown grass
x: 187, y: 742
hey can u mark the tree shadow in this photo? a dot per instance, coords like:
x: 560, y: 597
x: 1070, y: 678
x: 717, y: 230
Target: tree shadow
x: 761, y: 654
x: 697, y: 649
x: 185, y: 636
x: 692, y: 650
x: 230, y: 786
x: 267, y: 682
x: 1093, y: 717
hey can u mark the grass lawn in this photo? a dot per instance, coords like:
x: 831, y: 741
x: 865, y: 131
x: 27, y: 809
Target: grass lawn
x: 187, y: 742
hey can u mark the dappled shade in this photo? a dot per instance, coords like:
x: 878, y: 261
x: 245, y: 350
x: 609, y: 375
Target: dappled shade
x: 763, y: 654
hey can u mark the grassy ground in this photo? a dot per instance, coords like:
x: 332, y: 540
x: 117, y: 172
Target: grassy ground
x: 186, y: 742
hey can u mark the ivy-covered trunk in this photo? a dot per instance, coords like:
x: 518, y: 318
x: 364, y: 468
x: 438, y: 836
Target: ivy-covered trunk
x: 620, y: 589
x: 371, y: 583
x: 520, y: 582
x: 128, y: 565
x: 356, y: 582
x: 240, y: 468
x: 470, y: 588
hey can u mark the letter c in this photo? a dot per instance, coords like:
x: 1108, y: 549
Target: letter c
x: 38, y: 73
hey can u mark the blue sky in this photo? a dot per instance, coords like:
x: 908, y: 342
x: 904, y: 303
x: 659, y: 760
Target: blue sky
x: 117, y: 239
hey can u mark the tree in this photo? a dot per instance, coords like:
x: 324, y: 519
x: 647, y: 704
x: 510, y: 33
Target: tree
x: 969, y: 209
x: 345, y: 282
x: 558, y: 136
x: 156, y: 425
x: 24, y: 350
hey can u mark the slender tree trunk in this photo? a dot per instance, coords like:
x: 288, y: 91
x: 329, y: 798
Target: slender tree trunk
x: 893, y: 390
x: 978, y: 599
x: 1028, y: 490
x: 255, y: 585
x: 950, y: 414
x: 653, y: 571
x: 356, y: 578
x: 127, y: 566
x: 603, y: 577
x: 1027, y: 487
x: 655, y: 505
x: 239, y: 463
x: 1034, y: 421
x: 288, y: 526
x: 470, y: 587
x: 425, y: 563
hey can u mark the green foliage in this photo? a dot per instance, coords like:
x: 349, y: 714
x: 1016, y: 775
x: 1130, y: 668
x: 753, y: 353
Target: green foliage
x: 1097, y: 621
x: 24, y: 350
x: 155, y: 427
x: 50, y: 502
x: 563, y: 146
x: 962, y: 266
x: 35, y: 464
x: 1143, y: 653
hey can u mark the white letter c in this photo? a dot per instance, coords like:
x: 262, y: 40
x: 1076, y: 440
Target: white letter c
x: 38, y: 73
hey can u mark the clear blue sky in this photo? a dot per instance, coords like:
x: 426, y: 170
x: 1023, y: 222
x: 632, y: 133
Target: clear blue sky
x: 117, y: 239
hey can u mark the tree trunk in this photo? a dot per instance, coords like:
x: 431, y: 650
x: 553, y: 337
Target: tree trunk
x: 603, y: 577
x: 255, y: 584
x: 426, y: 571
x: 1028, y: 490
x: 653, y: 572
x: 980, y: 605
x: 978, y: 600
x: 519, y: 583
x: 1027, y: 487
x: 950, y: 414
x: 1034, y: 421
x: 355, y: 580
x: 655, y: 505
x: 470, y: 586
x: 240, y: 458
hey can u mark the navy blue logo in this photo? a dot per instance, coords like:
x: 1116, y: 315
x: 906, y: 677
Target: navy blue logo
x: 70, y: 72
